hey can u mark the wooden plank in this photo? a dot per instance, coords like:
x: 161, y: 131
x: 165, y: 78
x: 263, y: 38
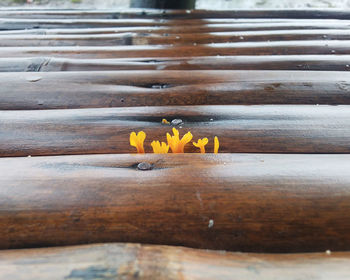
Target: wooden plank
x: 59, y: 90
x: 125, y: 261
x: 261, y: 129
x: 189, y: 14
x: 289, y: 62
x: 133, y: 38
x: 172, y: 26
x: 332, y: 47
x: 243, y: 202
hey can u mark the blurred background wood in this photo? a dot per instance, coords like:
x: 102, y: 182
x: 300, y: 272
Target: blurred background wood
x: 65, y: 90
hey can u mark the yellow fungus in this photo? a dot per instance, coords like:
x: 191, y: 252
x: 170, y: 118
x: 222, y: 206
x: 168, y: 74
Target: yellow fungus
x: 201, y: 144
x: 136, y: 140
x: 176, y: 145
x: 164, y: 121
x: 216, y: 145
x: 160, y: 148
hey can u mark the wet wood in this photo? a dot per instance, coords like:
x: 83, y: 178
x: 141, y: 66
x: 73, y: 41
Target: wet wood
x: 290, y: 62
x: 252, y: 129
x: 124, y: 261
x: 189, y: 14
x: 333, y: 47
x: 238, y: 202
x: 133, y: 38
x: 171, y: 26
x: 59, y: 90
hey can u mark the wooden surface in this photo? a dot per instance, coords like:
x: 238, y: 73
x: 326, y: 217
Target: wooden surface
x: 57, y: 90
x: 338, y: 47
x: 290, y: 62
x: 13, y: 12
x: 280, y: 185
x: 238, y: 202
x: 134, y: 38
x: 133, y: 261
x: 248, y: 129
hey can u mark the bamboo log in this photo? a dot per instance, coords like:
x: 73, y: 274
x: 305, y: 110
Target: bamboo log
x: 171, y: 14
x: 58, y: 90
x: 154, y: 39
x: 244, y: 202
x: 125, y: 261
x: 229, y: 49
x: 290, y: 62
x: 253, y: 129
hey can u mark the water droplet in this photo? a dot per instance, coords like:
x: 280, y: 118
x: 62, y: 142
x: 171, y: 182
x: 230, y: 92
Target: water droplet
x: 241, y: 37
x: 211, y: 223
x: 176, y: 122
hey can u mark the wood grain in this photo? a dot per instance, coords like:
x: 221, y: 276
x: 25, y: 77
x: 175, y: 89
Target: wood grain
x: 243, y: 202
x: 133, y: 38
x: 182, y: 14
x: 58, y: 90
x: 254, y: 48
x: 290, y: 62
x: 251, y: 129
x: 134, y: 261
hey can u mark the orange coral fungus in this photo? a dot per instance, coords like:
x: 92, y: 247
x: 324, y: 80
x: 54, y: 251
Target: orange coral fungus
x: 137, y: 141
x: 201, y: 144
x: 216, y: 145
x: 160, y: 148
x: 176, y: 145
x: 164, y: 121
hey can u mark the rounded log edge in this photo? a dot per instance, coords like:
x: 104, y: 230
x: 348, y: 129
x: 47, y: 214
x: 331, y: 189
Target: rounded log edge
x: 279, y: 203
x: 135, y: 261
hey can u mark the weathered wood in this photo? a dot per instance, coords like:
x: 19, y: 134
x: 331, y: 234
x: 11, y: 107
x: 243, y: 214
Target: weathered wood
x: 289, y: 62
x: 189, y: 14
x: 153, y: 39
x: 244, y: 202
x: 58, y: 90
x: 261, y: 129
x: 229, y: 49
x: 172, y: 26
x: 134, y: 261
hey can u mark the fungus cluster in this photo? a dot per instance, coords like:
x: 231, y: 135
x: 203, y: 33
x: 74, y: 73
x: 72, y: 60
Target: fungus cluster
x: 175, y: 144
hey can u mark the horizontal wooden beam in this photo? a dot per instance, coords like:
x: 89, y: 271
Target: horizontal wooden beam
x: 123, y: 261
x: 58, y: 90
x: 261, y: 129
x: 288, y: 62
x: 132, y: 38
x: 188, y: 14
x: 172, y: 26
x: 333, y: 47
x: 243, y: 202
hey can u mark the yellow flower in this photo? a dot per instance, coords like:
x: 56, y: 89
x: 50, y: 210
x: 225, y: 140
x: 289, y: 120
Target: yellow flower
x: 176, y: 145
x: 137, y: 141
x: 216, y: 145
x: 160, y: 148
x: 201, y: 144
x: 164, y: 121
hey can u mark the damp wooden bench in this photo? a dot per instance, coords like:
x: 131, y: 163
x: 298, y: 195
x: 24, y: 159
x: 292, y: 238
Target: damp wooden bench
x: 272, y: 85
